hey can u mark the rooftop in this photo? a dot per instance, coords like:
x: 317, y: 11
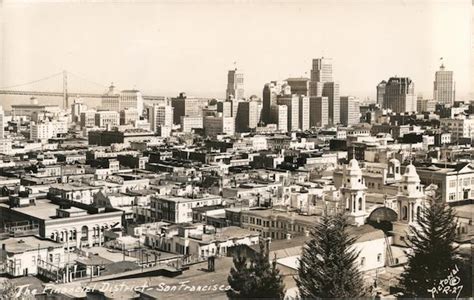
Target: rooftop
x: 28, y: 243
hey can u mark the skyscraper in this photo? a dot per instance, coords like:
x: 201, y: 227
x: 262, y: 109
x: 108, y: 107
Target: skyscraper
x: 111, y: 99
x: 161, y: 116
x: 323, y: 85
x: 319, y: 111
x: 299, y: 85
x: 443, y: 86
x: 350, y: 113
x: 292, y: 104
x: 235, y: 84
x: 331, y: 90
x: 184, y: 106
x: 303, y: 112
x: 131, y: 99
x: 400, y: 95
x: 381, y: 92
x: 269, y: 98
x: 280, y: 116
x: 248, y: 115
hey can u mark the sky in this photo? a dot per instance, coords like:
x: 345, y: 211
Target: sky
x: 167, y: 47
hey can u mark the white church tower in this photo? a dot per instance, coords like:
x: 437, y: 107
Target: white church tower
x: 353, y: 193
x: 411, y: 197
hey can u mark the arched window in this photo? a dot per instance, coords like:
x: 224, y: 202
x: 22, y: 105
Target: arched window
x: 360, y: 203
x: 404, y: 213
x: 85, y: 233
x: 379, y: 257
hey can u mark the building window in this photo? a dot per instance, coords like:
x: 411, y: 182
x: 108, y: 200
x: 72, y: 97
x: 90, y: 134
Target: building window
x: 362, y: 261
x: 379, y: 257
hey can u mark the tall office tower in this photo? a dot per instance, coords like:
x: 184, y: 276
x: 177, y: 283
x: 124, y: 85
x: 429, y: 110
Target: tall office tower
x: 235, y: 84
x: 350, y: 111
x: 132, y: 99
x: 161, y: 116
x: 107, y: 119
x: 88, y: 118
x: 128, y: 116
x: 322, y: 70
x: 318, y: 111
x: 268, y: 100
x: 292, y: 103
x: 279, y: 113
x: 400, y: 95
x: 323, y: 85
x: 443, y: 86
x: 184, y: 106
x: 2, y: 123
x: 214, y: 125
x: 381, y: 92
x: 331, y: 90
x: 248, y: 116
x: 304, y: 112
x: 77, y: 107
x: 111, y: 99
x: 299, y: 86
x: 225, y: 107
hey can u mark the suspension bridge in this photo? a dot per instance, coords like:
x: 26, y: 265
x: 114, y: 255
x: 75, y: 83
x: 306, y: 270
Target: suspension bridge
x: 18, y: 89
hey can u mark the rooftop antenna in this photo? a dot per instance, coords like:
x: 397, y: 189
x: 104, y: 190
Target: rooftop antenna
x: 442, y: 63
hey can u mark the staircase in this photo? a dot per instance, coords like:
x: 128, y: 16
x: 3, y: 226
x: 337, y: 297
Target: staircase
x: 388, y: 254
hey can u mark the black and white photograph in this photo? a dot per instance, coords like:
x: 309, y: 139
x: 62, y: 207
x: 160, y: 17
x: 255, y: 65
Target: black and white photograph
x: 236, y: 149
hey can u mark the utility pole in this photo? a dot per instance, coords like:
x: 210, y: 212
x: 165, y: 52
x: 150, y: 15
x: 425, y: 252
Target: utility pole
x: 65, y: 96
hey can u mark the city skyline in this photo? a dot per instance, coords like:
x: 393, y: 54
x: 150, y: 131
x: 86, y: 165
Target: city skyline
x: 261, y: 51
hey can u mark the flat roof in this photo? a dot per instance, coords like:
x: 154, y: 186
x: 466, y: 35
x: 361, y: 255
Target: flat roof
x: 28, y: 243
x: 183, y: 199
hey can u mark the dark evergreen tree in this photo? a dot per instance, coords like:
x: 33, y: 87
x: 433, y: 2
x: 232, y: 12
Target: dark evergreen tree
x: 433, y: 254
x: 239, y: 277
x: 328, y: 266
x: 258, y: 278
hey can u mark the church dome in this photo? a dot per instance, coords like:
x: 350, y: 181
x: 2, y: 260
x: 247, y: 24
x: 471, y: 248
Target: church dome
x: 353, y: 164
x: 411, y: 174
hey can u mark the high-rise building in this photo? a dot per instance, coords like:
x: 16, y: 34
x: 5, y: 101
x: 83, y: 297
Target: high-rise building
x: 88, y: 118
x: 128, y: 116
x: 132, y: 99
x: 268, y: 100
x: 331, y: 90
x: 318, y: 111
x: 299, y: 85
x: 225, y: 107
x: 350, y: 112
x: 107, y: 118
x: 126, y: 99
x: 77, y: 107
x: 235, y: 84
x: 161, y: 116
x: 279, y: 115
x: 184, y: 106
x: 443, y: 86
x: 214, y: 125
x: 248, y: 116
x: 323, y: 85
x: 400, y: 95
x: 2, y: 123
x: 190, y: 123
x: 381, y: 92
x: 111, y: 99
x: 292, y: 103
x: 425, y: 105
x: 322, y: 70
x: 303, y: 112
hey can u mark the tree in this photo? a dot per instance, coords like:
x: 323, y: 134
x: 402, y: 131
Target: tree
x: 257, y: 278
x: 328, y: 266
x: 433, y: 254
